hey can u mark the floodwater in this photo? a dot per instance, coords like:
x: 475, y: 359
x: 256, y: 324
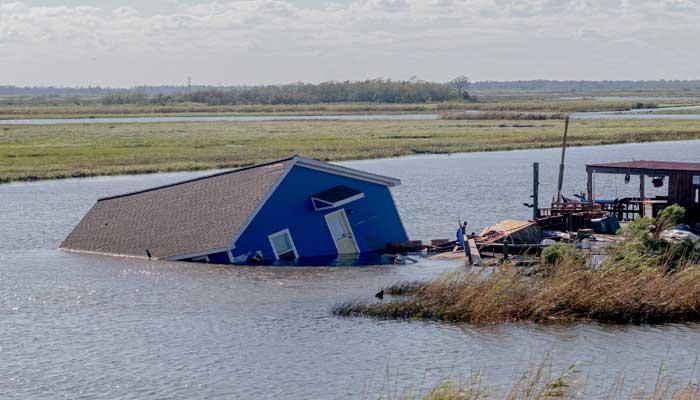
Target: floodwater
x: 641, y: 113
x: 86, y: 326
x: 632, y: 98
x: 651, y: 113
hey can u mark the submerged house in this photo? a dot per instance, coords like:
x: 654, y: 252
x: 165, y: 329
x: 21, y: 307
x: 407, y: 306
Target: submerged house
x: 281, y: 210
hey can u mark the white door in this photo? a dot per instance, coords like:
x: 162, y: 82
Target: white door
x: 341, y: 232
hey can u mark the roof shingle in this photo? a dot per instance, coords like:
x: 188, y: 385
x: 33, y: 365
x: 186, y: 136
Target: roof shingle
x: 183, y: 218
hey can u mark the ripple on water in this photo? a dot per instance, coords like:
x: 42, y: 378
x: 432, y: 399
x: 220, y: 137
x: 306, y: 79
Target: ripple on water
x: 82, y: 326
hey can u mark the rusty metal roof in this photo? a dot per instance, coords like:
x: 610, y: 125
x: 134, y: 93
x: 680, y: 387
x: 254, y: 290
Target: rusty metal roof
x: 187, y: 217
x: 645, y: 166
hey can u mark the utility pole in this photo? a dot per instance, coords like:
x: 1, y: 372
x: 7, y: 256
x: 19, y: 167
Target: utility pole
x: 189, y: 84
x: 563, y: 157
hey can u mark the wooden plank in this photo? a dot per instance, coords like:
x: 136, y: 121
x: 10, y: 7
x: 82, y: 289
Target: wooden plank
x: 474, y: 251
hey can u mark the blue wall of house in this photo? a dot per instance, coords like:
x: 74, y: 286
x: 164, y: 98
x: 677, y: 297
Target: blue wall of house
x: 374, y: 219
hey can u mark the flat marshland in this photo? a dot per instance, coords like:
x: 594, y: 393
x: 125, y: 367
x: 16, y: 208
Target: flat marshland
x: 23, y: 110
x: 26, y: 109
x: 56, y: 151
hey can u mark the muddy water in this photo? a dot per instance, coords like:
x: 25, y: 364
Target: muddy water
x: 81, y: 326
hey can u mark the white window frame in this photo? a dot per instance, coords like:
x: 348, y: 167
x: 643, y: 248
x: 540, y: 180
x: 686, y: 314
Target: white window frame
x: 291, y: 240
x: 330, y: 205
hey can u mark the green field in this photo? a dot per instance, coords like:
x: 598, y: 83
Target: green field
x: 58, y: 151
x: 42, y: 109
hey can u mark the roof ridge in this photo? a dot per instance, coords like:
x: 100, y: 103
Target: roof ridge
x: 230, y: 171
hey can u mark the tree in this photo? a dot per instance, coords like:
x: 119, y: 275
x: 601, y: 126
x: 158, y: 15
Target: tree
x: 461, y: 84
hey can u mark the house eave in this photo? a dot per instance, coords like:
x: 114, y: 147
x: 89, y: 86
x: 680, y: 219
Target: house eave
x: 203, y: 253
x: 345, y: 171
x: 101, y: 253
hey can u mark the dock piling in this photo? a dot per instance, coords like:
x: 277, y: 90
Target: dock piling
x: 535, y: 190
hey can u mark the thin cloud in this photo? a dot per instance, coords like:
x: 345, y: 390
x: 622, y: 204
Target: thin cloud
x: 263, y: 41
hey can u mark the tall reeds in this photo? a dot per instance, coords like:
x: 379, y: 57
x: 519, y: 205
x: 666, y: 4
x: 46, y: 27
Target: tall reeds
x: 643, y: 280
x: 539, y: 381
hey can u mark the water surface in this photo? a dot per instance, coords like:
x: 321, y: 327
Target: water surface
x: 86, y: 326
x: 651, y: 113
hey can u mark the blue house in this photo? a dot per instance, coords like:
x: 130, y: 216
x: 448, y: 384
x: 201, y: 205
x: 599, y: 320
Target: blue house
x: 283, y: 210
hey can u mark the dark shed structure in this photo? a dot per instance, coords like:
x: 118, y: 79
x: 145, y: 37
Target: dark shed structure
x: 683, y: 182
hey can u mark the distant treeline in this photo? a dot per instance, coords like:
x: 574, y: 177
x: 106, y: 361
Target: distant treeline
x: 53, y: 92
x: 587, y: 86
x: 375, y: 90
x: 378, y: 90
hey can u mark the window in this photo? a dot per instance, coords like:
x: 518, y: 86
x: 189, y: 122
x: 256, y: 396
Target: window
x: 696, y: 180
x: 696, y: 189
x: 283, y: 245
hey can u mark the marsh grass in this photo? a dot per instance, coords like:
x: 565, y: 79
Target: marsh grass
x: 644, y: 280
x: 501, y: 115
x: 47, y: 109
x: 63, y: 110
x: 539, y: 381
x: 566, y: 293
x: 60, y: 151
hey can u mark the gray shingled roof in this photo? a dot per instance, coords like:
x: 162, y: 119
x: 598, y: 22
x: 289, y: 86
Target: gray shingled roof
x: 183, y: 218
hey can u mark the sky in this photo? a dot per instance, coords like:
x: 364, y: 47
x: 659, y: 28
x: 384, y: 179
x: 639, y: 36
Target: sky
x: 124, y: 43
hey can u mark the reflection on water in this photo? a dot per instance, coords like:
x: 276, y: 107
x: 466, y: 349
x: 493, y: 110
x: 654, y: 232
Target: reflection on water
x: 76, y: 325
x: 642, y: 113
x: 653, y: 113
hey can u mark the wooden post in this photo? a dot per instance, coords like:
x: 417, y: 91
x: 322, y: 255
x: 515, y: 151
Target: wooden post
x: 589, y: 188
x: 474, y: 254
x: 535, y: 190
x: 563, y: 156
x: 467, y: 249
x: 642, y: 210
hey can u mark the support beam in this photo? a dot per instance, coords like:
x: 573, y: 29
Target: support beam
x: 560, y: 183
x: 589, y: 188
x: 535, y: 190
x: 474, y: 255
x: 641, y: 195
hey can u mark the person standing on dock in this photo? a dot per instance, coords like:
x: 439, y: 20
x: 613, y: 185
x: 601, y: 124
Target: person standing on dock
x: 461, y: 231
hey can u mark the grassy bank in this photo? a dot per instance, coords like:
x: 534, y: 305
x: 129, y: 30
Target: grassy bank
x: 29, y: 110
x: 92, y: 109
x: 57, y: 151
x: 540, y: 381
x: 500, y: 115
x: 644, y: 280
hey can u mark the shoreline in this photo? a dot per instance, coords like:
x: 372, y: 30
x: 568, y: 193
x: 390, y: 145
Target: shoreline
x: 213, y: 169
